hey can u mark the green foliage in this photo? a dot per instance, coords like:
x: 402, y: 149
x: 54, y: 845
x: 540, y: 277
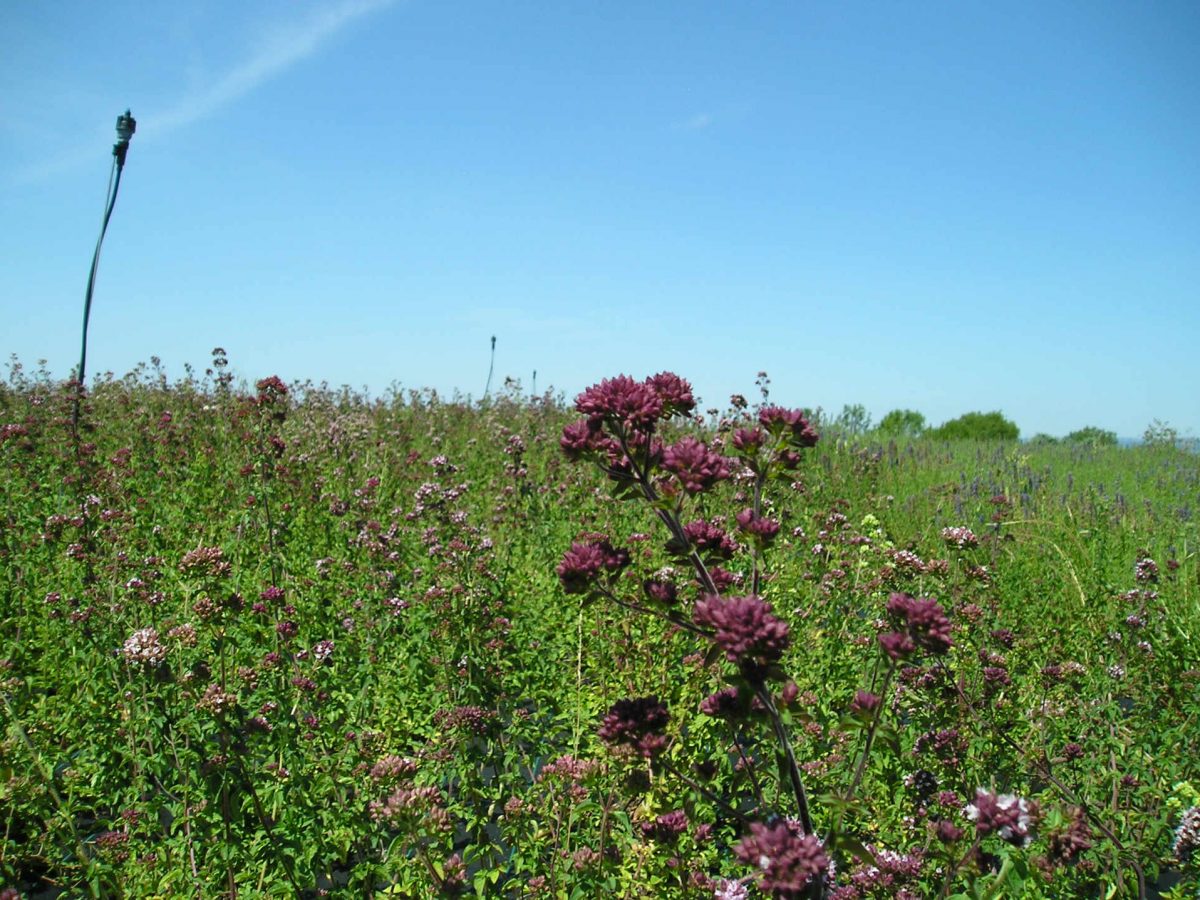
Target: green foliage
x: 976, y: 426
x: 853, y: 419
x: 421, y: 752
x: 1092, y: 436
x: 902, y: 423
x: 1160, y: 434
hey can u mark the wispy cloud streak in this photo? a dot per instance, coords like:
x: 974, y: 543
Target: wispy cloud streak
x: 279, y: 51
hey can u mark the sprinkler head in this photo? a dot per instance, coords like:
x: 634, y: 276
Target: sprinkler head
x: 126, y: 126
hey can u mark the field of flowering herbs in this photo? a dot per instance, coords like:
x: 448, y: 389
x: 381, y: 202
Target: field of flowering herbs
x: 281, y: 640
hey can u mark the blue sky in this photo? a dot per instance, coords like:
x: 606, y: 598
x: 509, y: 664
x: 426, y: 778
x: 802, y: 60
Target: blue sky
x: 938, y: 206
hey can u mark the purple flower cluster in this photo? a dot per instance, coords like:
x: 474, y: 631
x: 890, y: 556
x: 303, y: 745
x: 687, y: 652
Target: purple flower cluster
x: 637, y: 722
x: 674, y: 392
x: 789, y: 422
x: 216, y: 700
x: 474, y: 719
x: 748, y: 440
x: 788, y: 860
x: 884, y: 877
x: 667, y: 828
x: 923, y: 625
x: 724, y: 704
x: 270, y: 388
x: 728, y: 889
x: 709, y: 539
x: 1064, y: 845
x: 205, y: 561
x: 745, y: 628
x: 695, y: 466
x: 568, y: 768
x: 585, y: 561
x: 410, y: 805
x: 660, y: 588
x: 585, y: 438
x: 759, y: 527
x: 622, y: 401
x: 392, y: 768
x: 864, y: 704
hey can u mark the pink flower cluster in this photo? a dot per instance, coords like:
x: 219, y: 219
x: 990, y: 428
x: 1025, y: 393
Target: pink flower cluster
x: 696, y: 467
x: 960, y: 536
x: 745, y: 628
x: 759, y: 527
x: 1005, y: 815
x: 708, y: 538
x: 637, y: 722
x: 788, y: 860
x: 923, y: 625
x: 789, y: 422
x: 583, y: 564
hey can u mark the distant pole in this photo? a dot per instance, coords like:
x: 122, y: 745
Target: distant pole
x: 126, y: 126
x: 491, y: 366
x: 533, y: 389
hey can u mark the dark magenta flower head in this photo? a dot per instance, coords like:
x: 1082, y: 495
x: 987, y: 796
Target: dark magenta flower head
x: 748, y: 440
x: 661, y: 588
x: 923, y: 621
x: 788, y: 458
x: 758, y: 527
x: 271, y: 388
x: 722, y: 579
x: 1145, y: 570
x: 788, y: 861
x: 746, y: 629
x: 696, y: 466
x: 582, y: 565
x: 583, y: 439
x: 790, y: 423
x: 666, y: 828
x: 623, y: 402
x: 897, y: 645
x: 864, y: 703
x: 674, y: 392
x: 636, y: 722
x: 709, y: 539
x: 948, y: 832
x: 726, y: 703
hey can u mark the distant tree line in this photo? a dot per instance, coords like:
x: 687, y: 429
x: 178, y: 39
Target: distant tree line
x: 977, y: 426
x: 854, y: 420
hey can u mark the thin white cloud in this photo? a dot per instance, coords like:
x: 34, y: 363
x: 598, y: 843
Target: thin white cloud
x: 698, y: 122
x: 280, y: 50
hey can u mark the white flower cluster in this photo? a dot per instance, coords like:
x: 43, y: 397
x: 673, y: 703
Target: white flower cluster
x: 960, y: 536
x: 143, y: 648
x: 731, y: 890
x: 216, y: 700
x: 1187, y: 834
x: 990, y: 810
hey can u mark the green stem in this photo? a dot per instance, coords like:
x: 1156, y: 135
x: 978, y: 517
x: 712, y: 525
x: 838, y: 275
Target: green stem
x: 48, y: 778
